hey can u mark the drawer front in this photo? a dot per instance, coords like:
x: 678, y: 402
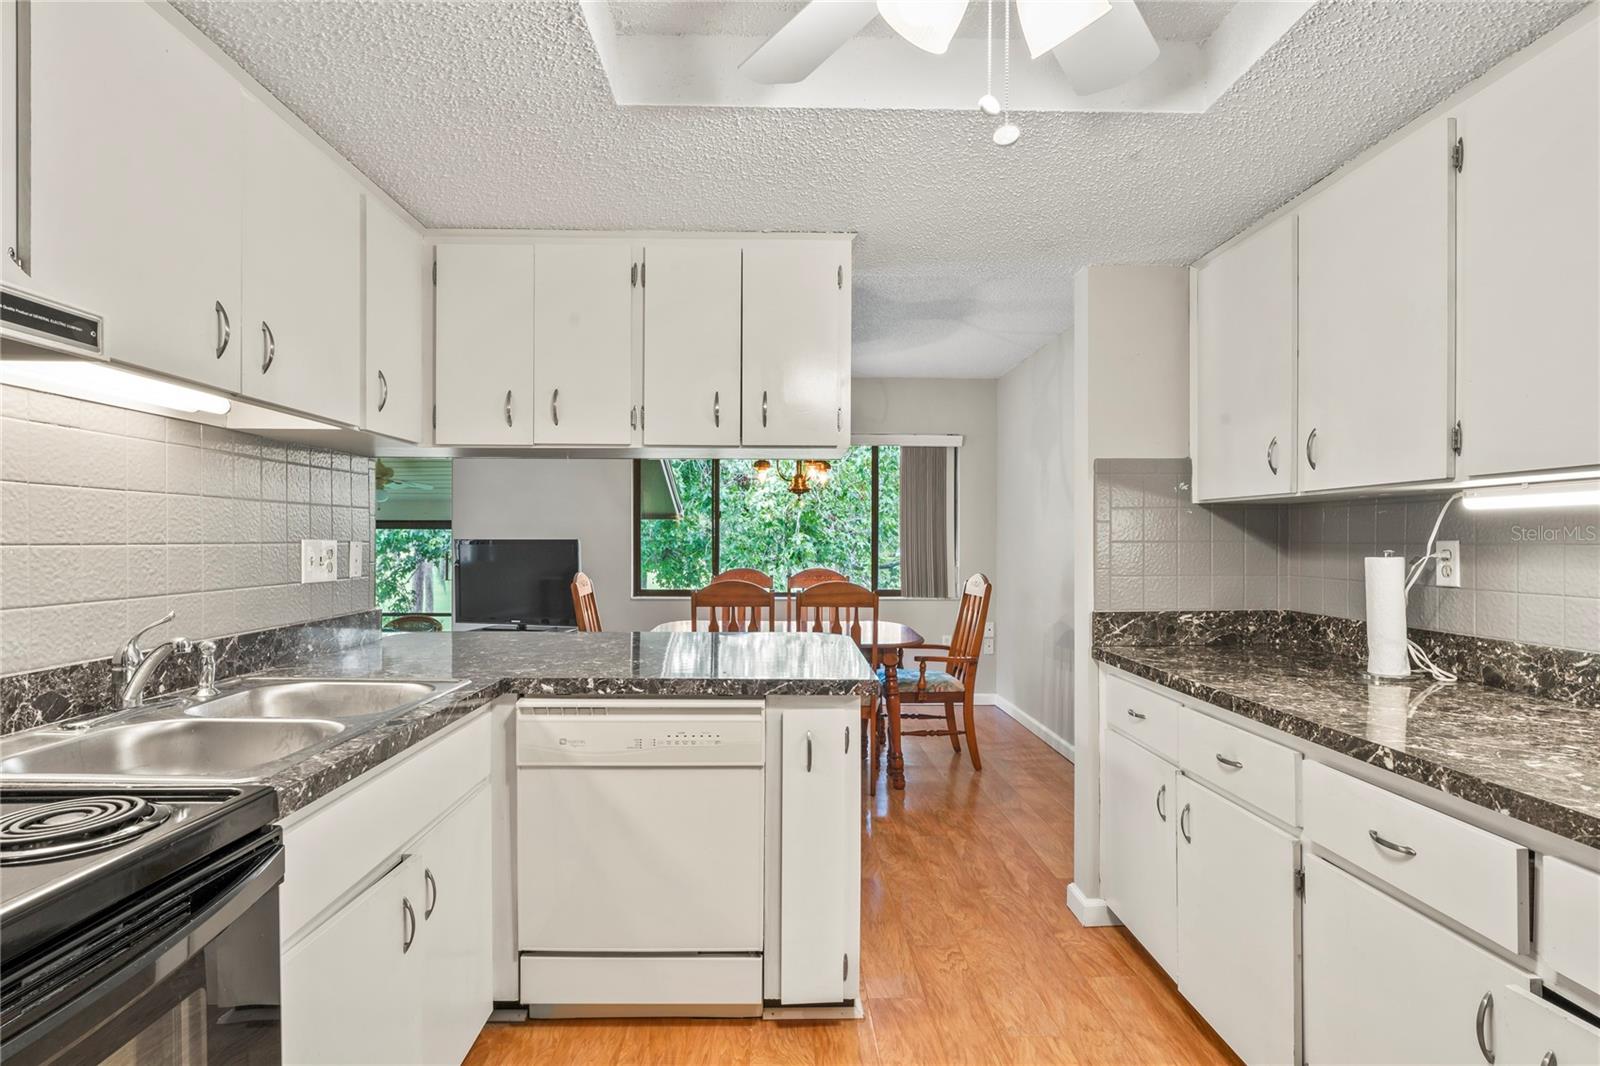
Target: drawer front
x: 1530, y: 1029
x: 1238, y: 763
x: 344, y: 838
x: 1569, y: 921
x: 1474, y: 877
x: 1141, y: 713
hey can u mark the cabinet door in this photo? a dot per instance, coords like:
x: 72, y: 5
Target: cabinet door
x: 1530, y: 1029
x: 483, y: 344
x: 350, y: 988
x: 453, y: 866
x: 1528, y: 264
x: 1374, y: 320
x: 583, y: 343
x: 691, y: 343
x: 12, y: 176
x: 821, y: 860
x: 1244, y: 367
x: 1139, y: 874
x: 1383, y: 984
x: 1236, y: 923
x: 302, y: 273
x: 796, y: 353
x: 395, y: 268
x: 137, y: 184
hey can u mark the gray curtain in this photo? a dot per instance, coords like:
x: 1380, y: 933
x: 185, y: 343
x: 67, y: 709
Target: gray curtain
x: 924, y: 522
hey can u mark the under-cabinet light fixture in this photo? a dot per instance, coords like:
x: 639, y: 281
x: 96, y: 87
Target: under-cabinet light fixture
x: 108, y: 384
x: 1534, y: 495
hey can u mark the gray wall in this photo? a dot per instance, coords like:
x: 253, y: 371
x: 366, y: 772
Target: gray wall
x: 1036, y: 500
x: 109, y: 518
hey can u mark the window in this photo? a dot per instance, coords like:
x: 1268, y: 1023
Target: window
x: 698, y: 517
x: 411, y: 569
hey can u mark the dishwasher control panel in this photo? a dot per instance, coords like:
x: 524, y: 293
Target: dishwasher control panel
x: 640, y: 733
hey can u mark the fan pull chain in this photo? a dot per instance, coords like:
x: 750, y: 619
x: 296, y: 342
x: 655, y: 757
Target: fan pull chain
x: 1007, y: 133
x: 987, y: 103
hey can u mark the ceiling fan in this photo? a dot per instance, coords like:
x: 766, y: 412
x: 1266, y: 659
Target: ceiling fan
x: 1098, y: 43
x: 384, y: 482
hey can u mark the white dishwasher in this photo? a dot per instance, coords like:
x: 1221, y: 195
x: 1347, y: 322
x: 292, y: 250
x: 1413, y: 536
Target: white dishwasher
x: 640, y: 856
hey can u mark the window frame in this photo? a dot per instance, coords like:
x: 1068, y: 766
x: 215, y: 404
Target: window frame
x: 417, y: 523
x: 716, y: 529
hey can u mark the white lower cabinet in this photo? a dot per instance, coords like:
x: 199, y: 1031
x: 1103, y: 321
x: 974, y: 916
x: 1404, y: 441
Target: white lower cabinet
x: 1529, y: 1029
x: 1139, y: 854
x: 1384, y: 984
x: 821, y: 833
x: 1236, y: 927
x: 454, y: 930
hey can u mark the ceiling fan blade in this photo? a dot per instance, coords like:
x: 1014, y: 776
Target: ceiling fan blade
x: 1109, y: 50
x: 807, y: 40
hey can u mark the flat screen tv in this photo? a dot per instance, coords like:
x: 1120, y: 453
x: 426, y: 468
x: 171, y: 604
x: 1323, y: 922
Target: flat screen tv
x: 521, y: 583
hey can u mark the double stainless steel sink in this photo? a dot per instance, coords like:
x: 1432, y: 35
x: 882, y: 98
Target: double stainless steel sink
x: 246, y: 731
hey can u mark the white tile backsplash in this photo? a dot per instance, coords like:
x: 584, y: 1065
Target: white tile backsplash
x: 110, y: 518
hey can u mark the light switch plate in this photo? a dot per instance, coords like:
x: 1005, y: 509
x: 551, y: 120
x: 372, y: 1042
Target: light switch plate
x: 356, y: 561
x: 1447, y: 567
x: 319, y: 560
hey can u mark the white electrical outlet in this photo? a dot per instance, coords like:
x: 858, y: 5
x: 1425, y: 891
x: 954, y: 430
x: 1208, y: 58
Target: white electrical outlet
x: 319, y: 560
x: 355, y: 558
x: 988, y: 638
x: 1447, y: 567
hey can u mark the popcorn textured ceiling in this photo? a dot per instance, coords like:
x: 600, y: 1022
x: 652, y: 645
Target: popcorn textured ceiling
x: 498, y: 115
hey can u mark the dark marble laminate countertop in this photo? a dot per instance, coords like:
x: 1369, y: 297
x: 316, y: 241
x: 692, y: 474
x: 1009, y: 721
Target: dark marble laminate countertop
x: 1536, y: 760
x: 562, y: 664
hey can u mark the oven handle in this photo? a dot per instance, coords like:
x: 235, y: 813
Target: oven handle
x: 159, y: 961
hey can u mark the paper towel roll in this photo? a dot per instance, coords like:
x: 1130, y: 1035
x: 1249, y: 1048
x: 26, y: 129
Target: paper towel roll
x: 1386, y: 617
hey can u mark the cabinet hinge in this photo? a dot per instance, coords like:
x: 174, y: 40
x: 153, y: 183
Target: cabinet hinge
x: 633, y: 275
x: 1455, y: 438
x: 435, y: 416
x: 641, y: 416
x: 841, y: 276
x: 1458, y: 154
x: 436, y: 272
x: 641, y: 274
x: 846, y: 976
x: 1300, y: 883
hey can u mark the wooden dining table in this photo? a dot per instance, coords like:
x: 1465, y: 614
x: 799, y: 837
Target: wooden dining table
x: 894, y: 639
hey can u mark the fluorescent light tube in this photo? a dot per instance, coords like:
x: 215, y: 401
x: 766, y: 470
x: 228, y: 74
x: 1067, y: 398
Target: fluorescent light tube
x: 1534, y: 496
x: 108, y: 384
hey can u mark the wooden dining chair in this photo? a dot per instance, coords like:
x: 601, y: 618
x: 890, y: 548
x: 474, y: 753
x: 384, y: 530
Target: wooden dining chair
x: 745, y: 573
x: 957, y: 682
x: 732, y: 606
x: 838, y: 607
x: 804, y: 580
x: 583, y: 605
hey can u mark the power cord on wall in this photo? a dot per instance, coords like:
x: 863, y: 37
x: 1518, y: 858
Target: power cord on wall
x: 1419, y: 658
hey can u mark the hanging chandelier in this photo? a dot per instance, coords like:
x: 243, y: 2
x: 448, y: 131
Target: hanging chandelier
x: 806, y: 471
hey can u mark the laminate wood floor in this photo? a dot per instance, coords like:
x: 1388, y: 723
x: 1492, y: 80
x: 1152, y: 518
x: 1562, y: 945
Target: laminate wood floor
x: 968, y: 954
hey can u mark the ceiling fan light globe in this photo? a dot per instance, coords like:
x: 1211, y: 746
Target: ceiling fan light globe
x: 929, y: 24
x: 1048, y: 23
x: 988, y: 104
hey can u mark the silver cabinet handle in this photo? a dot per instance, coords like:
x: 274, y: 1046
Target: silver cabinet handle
x: 1549, y: 1059
x: 409, y: 919
x: 1136, y: 714
x: 269, y: 347
x: 763, y: 408
x: 1311, y: 453
x: 716, y: 409
x: 508, y: 407
x: 847, y: 740
x: 555, y: 407
x: 1272, y: 455
x: 838, y: 419
x: 1232, y: 764
x: 1183, y: 824
x: 633, y: 417
x: 1161, y: 809
x: 224, y: 329
x: 1481, y: 1026
x: 1391, y: 845
x: 383, y: 390
x: 808, y: 751
x: 431, y: 898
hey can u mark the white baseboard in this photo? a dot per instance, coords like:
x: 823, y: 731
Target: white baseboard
x: 1061, y: 744
x: 1089, y: 912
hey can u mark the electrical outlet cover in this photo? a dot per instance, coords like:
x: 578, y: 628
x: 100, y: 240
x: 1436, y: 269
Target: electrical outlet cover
x: 1447, y: 567
x: 319, y: 560
x: 355, y: 558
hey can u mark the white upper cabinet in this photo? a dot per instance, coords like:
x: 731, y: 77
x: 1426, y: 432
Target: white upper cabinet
x: 483, y: 344
x: 1244, y: 359
x: 796, y: 342
x: 137, y: 144
x: 691, y: 343
x: 1528, y: 263
x: 395, y: 267
x: 583, y: 342
x: 302, y: 273
x: 1374, y: 319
